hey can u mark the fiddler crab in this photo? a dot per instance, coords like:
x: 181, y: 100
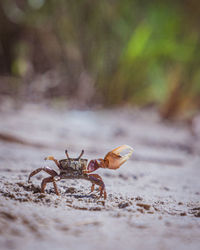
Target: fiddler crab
x: 77, y: 168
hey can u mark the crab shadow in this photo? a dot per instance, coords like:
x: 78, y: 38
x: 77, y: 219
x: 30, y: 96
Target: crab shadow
x: 82, y: 196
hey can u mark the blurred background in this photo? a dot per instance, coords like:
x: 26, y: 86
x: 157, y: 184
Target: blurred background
x: 104, y: 53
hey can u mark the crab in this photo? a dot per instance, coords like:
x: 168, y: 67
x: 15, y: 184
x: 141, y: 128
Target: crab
x: 77, y: 168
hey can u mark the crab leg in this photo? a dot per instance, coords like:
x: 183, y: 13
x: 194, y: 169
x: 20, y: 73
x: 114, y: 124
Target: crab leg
x: 92, y: 187
x: 96, y: 179
x: 55, y: 187
x: 45, y: 169
x: 51, y: 158
x: 45, y: 181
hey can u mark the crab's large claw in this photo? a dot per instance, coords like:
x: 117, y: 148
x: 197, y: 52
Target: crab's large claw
x: 114, y: 159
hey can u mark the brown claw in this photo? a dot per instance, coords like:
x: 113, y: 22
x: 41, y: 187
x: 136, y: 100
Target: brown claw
x: 114, y: 160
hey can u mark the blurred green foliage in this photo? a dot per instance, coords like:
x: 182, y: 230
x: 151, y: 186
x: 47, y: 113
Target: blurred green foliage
x: 136, y: 52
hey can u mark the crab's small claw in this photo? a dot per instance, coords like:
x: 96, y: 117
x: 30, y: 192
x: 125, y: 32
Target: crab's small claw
x: 114, y: 159
x: 51, y: 158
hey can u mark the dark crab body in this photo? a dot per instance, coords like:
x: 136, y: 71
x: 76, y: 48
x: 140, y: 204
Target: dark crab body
x: 72, y: 166
x: 77, y: 168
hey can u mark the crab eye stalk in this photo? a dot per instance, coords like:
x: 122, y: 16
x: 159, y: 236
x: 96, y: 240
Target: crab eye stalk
x: 81, y: 154
x: 67, y: 154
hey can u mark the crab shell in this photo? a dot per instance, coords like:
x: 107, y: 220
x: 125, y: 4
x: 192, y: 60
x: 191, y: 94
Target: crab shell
x: 73, y: 163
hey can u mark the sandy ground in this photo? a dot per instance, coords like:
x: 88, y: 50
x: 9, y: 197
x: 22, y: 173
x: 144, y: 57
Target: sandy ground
x: 153, y: 200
